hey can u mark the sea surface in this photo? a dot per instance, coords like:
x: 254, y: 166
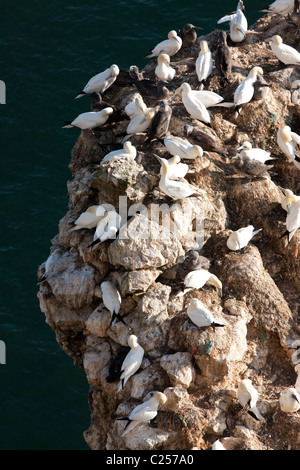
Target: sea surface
x: 48, y: 51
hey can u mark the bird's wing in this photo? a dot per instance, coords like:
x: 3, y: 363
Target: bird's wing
x: 226, y: 18
x: 293, y: 218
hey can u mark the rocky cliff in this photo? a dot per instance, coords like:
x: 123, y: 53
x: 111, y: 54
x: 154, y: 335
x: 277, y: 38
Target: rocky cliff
x: 198, y: 369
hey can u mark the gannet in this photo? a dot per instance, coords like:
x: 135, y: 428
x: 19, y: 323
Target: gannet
x: 50, y: 262
x: 145, y: 412
x: 241, y: 237
x: 182, y: 147
x: 209, y: 143
x: 176, y: 169
x: 286, y: 54
x: 237, y: 22
x: 89, y: 218
x: 107, y: 228
x: 151, y: 90
x: 228, y: 443
x: 112, y: 300
x: 91, y: 119
x: 200, y: 315
x: 136, y: 106
x: 288, y: 198
x: 247, y: 151
x: 244, y: 92
x: 204, y: 62
x: 159, y: 125
x: 169, y: 46
x: 192, y: 103
x: 114, y: 370
x: 128, y: 151
x: 292, y: 219
x: 163, y: 70
x: 250, y: 168
x: 188, y: 35
x: 295, y: 14
x: 280, y: 7
x: 248, y: 396
x: 289, y: 400
x: 174, y: 189
x: 288, y: 143
x: 261, y: 88
x: 223, y: 58
x: 197, y: 279
x: 140, y: 122
x: 100, y: 82
x: 132, y: 361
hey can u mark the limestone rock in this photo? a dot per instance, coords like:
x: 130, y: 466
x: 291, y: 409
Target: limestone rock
x: 179, y: 368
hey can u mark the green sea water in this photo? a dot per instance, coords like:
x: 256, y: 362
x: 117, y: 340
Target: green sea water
x: 48, y: 51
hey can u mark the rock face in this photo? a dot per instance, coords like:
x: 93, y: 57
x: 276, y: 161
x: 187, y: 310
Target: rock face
x: 198, y: 369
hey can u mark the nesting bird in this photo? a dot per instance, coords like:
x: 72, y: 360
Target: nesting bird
x: 91, y: 119
x: 135, y: 106
x: 139, y: 123
x: 163, y: 70
x: 192, y: 103
x: 289, y: 400
x: 197, y: 279
x: 132, y: 361
x: 288, y: 143
x: 285, y: 53
x: 107, y: 228
x: 150, y: 90
x: 288, y: 198
x: 100, y: 82
x: 176, y: 169
x: 169, y: 46
x: 237, y: 22
x: 292, y: 206
x: 188, y: 35
x: 204, y: 62
x: 245, y: 91
x: 254, y: 153
x: 240, y: 238
x: 250, y: 168
x: 182, y: 147
x: 209, y: 143
x: 112, y: 301
x: 174, y: 189
x: 200, y: 315
x: 128, y: 151
x: 145, y: 412
x: 160, y: 123
x: 223, y: 58
x: 248, y: 396
x: 89, y: 218
x: 280, y: 7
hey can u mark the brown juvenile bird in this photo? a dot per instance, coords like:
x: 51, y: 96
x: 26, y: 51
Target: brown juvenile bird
x: 250, y: 168
x: 151, y: 90
x: 207, y: 142
x: 223, y: 59
x: 295, y: 15
x: 188, y: 35
x: 160, y: 123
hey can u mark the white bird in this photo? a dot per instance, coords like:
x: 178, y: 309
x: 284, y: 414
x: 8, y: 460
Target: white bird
x: 176, y: 169
x: 89, y: 218
x: 136, y: 106
x: 288, y: 198
x: 182, y: 147
x: 90, y: 119
x: 169, y: 46
x: 145, y: 412
x: 286, y: 54
x: 193, y: 103
x: 112, y: 300
x: 197, y: 279
x: 163, y: 70
x: 248, y: 396
x: 200, y: 315
x: 228, y: 443
x: 280, y: 7
x: 292, y: 219
x: 107, y: 228
x: 254, y: 153
x: 174, y: 189
x: 204, y: 62
x: 288, y: 143
x: 128, y: 151
x: 50, y: 262
x: 132, y: 361
x: 100, y: 82
x: 240, y: 238
x: 237, y: 23
x: 289, y: 400
x: 244, y: 92
x: 140, y: 122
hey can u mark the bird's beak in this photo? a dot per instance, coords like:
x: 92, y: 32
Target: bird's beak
x: 158, y: 158
x: 220, y: 292
x: 240, y: 148
x: 197, y: 27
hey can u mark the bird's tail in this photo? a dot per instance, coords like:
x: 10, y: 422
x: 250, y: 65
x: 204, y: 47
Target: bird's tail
x: 67, y: 124
x: 80, y: 94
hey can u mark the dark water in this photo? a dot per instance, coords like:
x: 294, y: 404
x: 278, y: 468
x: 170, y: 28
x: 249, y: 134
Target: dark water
x: 48, y: 50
